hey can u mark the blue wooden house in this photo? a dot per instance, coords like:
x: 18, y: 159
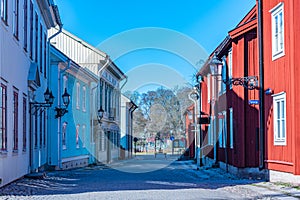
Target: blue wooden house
x: 70, y: 122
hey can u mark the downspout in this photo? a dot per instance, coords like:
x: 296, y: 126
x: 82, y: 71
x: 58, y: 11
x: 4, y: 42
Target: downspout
x: 48, y: 80
x: 92, y: 106
x: 261, y: 86
x: 59, y: 139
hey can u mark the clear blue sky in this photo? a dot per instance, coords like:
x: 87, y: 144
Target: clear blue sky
x: 207, y: 22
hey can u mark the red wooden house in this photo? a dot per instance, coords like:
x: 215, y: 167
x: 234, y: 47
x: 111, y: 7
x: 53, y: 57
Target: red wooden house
x: 232, y: 140
x: 281, y: 42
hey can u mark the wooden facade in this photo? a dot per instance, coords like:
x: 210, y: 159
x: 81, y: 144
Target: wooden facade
x: 281, y: 76
x: 234, y: 122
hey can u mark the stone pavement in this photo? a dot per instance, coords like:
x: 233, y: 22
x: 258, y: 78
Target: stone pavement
x: 84, y: 183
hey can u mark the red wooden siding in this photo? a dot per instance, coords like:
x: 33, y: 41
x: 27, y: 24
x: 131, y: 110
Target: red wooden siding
x: 281, y: 75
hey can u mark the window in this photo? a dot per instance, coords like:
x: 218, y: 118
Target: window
x: 101, y: 93
x: 36, y: 36
x: 231, y: 127
x: 277, y: 20
x: 44, y: 129
x: 3, y: 118
x: 83, y: 135
x: 31, y: 31
x: 279, y: 103
x: 15, y: 120
x: 84, y: 99
x: 208, y: 87
x: 45, y: 55
x: 25, y: 23
x: 35, y: 129
x: 41, y: 49
x: 210, y: 139
x: 16, y: 19
x: 24, y: 123
x: 230, y: 66
x: 4, y: 11
x: 77, y: 136
x: 224, y: 76
x: 222, y: 129
x: 64, y: 135
x: 78, y: 95
x: 41, y: 128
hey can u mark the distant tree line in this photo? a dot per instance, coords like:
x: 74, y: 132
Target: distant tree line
x: 160, y: 112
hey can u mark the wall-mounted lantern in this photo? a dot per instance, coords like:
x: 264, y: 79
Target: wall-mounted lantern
x: 60, y: 111
x: 100, y: 114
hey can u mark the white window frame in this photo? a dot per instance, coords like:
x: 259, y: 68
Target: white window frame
x: 78, y: 95
x: 208, y: 87
x: 84, y: 99
x: 64, y: 135
x: 224, y: 77
x: 16, y: 20
x: 279, y: 121
x: 277, y: 36
x: 230, y: 66
x: 231, y: 132
x: 222, y: 129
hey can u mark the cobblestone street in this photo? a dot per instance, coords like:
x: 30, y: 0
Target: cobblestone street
x: 143, y: 177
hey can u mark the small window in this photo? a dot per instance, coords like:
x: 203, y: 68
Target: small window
x: 222, y: 129
x: 64, y: 135
x: 15, y: 120
x: 16, y: 19
x: 279, y: 103
x: 31, y: 31
x: 277, y: 18
x: 3, y: 117
x: 25, y: 24
x: 78, y: 95
x: 83, y: 98
x: 230, y: 66
x: 24, y: 123
x: 4, y: 11
x: 208, y: 87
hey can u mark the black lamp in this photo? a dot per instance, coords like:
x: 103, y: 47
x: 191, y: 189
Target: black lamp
x: 100, y: 114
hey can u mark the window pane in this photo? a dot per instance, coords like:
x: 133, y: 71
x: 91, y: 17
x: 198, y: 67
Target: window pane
x: 283, y: 128
x: 282, y: 110
x: 278, y: 128
x: 278, y: 110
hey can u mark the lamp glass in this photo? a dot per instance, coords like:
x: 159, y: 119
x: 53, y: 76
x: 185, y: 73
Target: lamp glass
x: 47, y: 95
x: 100, y: 113
x: 66, y: 98
x: 215, y: 65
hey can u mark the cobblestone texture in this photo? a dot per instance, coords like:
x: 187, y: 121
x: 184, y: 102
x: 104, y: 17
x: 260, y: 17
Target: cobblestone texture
x: 176, y: 180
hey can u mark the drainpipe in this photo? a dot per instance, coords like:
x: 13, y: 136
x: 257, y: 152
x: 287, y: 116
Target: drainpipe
x: 261, y: 87
x: 49, y: 70
x: 59, y: 136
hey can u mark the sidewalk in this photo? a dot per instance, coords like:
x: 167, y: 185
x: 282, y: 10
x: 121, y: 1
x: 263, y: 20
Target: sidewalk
x: 266, y: 189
